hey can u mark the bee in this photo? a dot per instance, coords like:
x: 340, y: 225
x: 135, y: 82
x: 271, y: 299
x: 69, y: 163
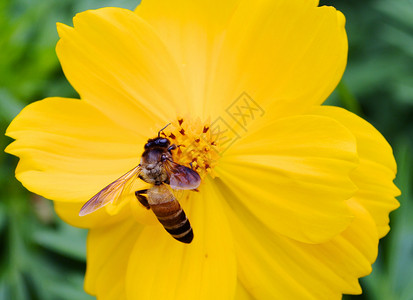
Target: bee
x: 157, y: 168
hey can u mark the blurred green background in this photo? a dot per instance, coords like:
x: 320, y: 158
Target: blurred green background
x: 43, y: 258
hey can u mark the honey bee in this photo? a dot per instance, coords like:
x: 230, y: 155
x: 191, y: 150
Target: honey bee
x: 157, y: 168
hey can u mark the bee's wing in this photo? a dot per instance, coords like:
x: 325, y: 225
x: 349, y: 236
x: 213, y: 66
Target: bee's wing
x: 110, y: 192
x: 181, y: 177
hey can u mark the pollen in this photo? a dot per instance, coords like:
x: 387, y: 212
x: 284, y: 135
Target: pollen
x: 196, y: 146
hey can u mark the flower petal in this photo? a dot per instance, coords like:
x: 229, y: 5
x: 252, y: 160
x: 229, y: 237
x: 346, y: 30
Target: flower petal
x: 117, y: 63
x: 376, y: 171
x: 287, y: 55
x: 69, y: 150
x: 294, y: 176
x: 193, y: 32
x: 276, y: 267
x: 69, y: 212
x: 242, y: 293
x: 108, y: 252
x: 162, y: 268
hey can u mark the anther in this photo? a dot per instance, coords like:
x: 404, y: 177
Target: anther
x: 197, y: 153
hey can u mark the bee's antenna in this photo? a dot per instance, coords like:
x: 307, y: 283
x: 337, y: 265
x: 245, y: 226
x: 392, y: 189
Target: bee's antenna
x: 159, y: 132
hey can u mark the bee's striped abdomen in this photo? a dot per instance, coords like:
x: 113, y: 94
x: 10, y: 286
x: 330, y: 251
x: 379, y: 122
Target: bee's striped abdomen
x: 173, y: 218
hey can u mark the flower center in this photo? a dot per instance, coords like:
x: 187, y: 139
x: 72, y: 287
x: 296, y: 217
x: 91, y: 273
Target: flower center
x: 196, y: 145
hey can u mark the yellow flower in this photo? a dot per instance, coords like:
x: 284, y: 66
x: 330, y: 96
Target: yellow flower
x: 294, y: 195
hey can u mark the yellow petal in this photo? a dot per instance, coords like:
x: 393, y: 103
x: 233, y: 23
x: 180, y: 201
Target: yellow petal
x: 242, y: 293
x: 192, y: 31
x: 289, y: 51
x: 376, y: 171
x: 162, y: 268
x: 68, y: 150
x: 117, y: 63
x: 293, y: 175
x: 271, y: 266
x: 69, y: 212
x: 108, y: 252
x: 287, y: 55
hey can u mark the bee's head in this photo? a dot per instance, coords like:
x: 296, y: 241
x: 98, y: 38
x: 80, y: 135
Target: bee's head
x: 157, y: 142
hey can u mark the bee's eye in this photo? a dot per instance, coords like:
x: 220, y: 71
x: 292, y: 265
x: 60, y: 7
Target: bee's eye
x: 147, y: 145
x: 163, y: 142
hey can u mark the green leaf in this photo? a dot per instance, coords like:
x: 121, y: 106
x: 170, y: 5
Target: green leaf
x: 347, y: 99
x: 66, y: 240
x: 9, y: 106
x: 401, y: 244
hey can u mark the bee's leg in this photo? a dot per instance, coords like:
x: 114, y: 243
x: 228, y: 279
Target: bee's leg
x: 172, y: 147
x: 142, y: 178
x: 142, y: 199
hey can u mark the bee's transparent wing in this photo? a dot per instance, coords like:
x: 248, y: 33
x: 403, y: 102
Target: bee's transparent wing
x: 110, y: 193
x: 181, y: 177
